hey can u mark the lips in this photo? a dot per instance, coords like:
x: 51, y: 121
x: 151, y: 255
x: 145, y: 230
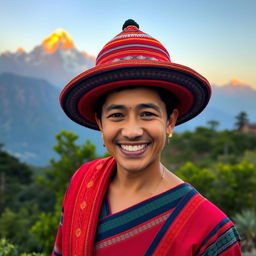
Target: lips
x: 135, y: 149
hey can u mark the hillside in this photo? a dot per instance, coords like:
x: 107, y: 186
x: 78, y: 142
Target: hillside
x: 31, y: 117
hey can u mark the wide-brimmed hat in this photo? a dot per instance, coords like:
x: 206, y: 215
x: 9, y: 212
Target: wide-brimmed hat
x: 134, y: 58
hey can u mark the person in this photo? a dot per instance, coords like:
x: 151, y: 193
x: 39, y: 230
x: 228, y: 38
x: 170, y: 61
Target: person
x: 130, y: 203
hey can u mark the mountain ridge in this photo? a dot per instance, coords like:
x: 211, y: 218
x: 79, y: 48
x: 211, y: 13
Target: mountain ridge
x: 56, y: 59
x: 31, y: 118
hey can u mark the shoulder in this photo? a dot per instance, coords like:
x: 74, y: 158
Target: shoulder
x: 87, y: 170
x: 89, y: 167
x: 219, y: 235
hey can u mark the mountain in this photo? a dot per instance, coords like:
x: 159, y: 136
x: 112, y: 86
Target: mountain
x: 30, y: 117
x: 56, y: 60
x: 226, y: 102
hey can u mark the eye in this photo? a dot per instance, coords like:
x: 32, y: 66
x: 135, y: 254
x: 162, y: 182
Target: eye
x: 147, y: 114
x: 115, y: 115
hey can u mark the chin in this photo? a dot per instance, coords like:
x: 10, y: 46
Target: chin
x: 134, y: 165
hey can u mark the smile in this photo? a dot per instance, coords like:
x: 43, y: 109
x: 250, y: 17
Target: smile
x: 133, y: 148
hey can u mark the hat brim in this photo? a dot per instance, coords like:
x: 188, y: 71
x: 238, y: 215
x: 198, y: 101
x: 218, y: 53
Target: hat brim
x: 191, y: 90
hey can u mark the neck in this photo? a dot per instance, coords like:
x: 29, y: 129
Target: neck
x: 147, y: 180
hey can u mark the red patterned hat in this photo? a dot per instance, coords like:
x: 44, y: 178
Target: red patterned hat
x: 134, y: 58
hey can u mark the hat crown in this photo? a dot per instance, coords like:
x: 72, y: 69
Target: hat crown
x: 132, y: 45
x: 130, y: 22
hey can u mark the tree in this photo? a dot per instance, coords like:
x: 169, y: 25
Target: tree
x: 14, y: 226
x: 7, y: 249
x: 213, y: 124
x: 45, y: 229
x: 56, y: 178
x: 14, y: 175
x: 246, y: 225
x: 234, y: 187
x: 230, y: 186
x: 241, y: 119
x: 71, y: 156
x: 201, y: 178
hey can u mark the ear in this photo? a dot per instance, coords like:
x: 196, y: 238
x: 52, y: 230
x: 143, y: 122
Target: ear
x: 98, y: 121
x: 172, y: 121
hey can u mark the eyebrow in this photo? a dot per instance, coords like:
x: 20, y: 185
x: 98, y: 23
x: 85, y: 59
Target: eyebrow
x: 113, y: 107
x: 140, y: 106
x: 148, y: 105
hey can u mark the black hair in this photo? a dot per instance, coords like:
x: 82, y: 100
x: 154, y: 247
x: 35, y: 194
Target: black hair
x: 169, y: 99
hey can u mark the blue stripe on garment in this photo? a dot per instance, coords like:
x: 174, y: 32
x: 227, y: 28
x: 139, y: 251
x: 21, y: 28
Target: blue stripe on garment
x: 180, y: 190
x: 169, y: 221
x: 224, y: 241
x: 215, y: 230
x: 147, y: 216
x: 140, y: 213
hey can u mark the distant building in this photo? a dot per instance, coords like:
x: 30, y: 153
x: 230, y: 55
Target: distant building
x: 247, y: 128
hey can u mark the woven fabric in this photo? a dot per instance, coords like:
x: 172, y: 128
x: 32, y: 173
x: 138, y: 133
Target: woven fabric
x: 177, y: 222
x: 132, y: 43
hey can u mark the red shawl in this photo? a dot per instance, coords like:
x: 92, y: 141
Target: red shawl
x: 82, y: 204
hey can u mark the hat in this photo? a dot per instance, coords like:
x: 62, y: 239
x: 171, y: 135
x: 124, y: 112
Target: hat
x: 134, y: 58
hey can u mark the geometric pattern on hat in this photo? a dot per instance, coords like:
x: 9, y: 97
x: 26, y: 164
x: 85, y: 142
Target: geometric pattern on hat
x: 134, y: 58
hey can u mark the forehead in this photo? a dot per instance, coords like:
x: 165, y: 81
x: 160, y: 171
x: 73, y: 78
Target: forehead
x: 133, y: 96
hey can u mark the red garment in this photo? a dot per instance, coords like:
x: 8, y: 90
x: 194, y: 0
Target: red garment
x: 190, y: 225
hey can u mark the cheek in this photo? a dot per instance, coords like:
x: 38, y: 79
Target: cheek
x: 158, y: 130
x: 109, y: 131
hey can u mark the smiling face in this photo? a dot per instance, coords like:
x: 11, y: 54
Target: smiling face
x: 134, y: 127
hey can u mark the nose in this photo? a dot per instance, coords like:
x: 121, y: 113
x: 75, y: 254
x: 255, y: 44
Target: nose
x: 132, y: 129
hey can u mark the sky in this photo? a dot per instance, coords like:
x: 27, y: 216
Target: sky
x: 217, y: 38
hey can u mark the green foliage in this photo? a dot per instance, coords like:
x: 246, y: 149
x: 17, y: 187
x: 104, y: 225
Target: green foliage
x: 235, y: 187
x: 56, y: 178
x: 45, y: 230
x: 213, y: 124
x: 71, y: 157
x: 206, y: 146
x: 14, y: 175
x: 241, y: 119
x: 7, y: 249
x: 232, y: 187
x: 249, y: 156
x: 15, y: 225
x: 31, y: 210
x: 32, y: 254
x: 202, y: 179
x: 246, y: 225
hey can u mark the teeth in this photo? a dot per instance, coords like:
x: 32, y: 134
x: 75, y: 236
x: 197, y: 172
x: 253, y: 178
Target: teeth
x: 133, y: 148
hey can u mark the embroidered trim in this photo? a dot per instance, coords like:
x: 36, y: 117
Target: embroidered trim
x: 130, y: 35
x: 135, y: 58
x: 131, y: 233
x: 132, y: 45
x: 215, y: 230
x: 143, y: 212
x: 176, y: 221
x: 222, y: 243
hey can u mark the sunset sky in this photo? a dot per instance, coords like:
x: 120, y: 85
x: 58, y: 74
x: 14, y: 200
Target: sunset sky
x: 217, y: 38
